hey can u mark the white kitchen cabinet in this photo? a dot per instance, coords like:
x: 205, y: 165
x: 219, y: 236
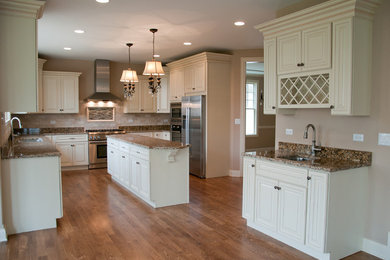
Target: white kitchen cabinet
x: 19, y: 55
x: 308, y: 209
x: 176, y: 86
x: 40, y: 85
x: 73, y: 149
x: 327, y: 63
x: 125, y: 170
x: 163, y: 97
x: 60, y: 92
x: 249, y: 187
x: 195, y: 78
x: 112, y: 160
x: 270, y: 76
x: 142, y: 101
x: 305, y: 50
x: 135, y: 175
x: 144, y: 178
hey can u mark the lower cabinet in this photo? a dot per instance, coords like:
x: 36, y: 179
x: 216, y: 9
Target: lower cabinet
x: 140, y: 181
x: 308, y: 209
x: 73, y: 149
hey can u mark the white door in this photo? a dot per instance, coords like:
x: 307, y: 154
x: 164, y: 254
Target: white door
x: 70, y: 94
x: 270, y: 80
x: 316, y: 210
x: 80, y: 153
x: 289, y: 53
x: 66, y: 151
x: 148, y: 101
x: 144, y: 188
x: 248, y: 195
x: 163, y: 97
x: 316, y: 48
x: 292, y: 211
x: 135, y: 174
x: 51, y: 94
x: 266, y: 202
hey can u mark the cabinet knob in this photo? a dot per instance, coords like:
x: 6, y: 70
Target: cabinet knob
x: 252, y: 165
x: 301, y: 64
x: 123, y: 157
x: 193, y: 88
x: 277, y: 188
x: 141, y: 109
x: 112, y: 152
x: 273, y: 107
x: 137, y: 162
x: 72, y: 145
x: 332, y: 106
x: 308, y: 178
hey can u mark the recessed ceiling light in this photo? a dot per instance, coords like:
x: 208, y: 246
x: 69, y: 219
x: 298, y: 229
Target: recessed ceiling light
x: 79, y: 31
x: 103, y: 1
x: 156, y: 55
x: 67, y: 48
x: 187, y: 43
x: 239, y: 23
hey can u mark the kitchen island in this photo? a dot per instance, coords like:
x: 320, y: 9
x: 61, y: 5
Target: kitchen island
x: 155, y: 170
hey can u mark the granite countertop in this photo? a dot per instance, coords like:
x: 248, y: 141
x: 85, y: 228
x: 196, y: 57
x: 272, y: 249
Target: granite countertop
x: 29, y: 149
x: 329, y: 159
x: 51, y: 131
x: 148, y: 142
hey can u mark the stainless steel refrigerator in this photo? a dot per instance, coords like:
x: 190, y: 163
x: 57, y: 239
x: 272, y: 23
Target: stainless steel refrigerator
x: 194, y: 132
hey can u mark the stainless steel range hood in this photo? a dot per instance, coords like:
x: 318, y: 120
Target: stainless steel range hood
x: 102, y: 83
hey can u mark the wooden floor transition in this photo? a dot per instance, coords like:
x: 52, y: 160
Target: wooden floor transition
x: 103, y: 221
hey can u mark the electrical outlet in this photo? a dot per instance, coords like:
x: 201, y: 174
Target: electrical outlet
x: 289, y: 131
x: 52, y: 122
x: 165, y: 121
x: 237, y: 121
x: 358, y: 137
x: 384, y: 139
x: 130, y: 120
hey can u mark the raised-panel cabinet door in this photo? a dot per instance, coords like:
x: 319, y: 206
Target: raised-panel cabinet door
x: 248, y: 196
x: 148, y: 101
x: 189, y: 84
x: 316, y: 46
x: 66, y: 151
x: 144, y: 188
x: 80, y: 153
x: 289, y: 53
x: 70, y: 94
x: 135, y: 174
x: 270, y: 78
x: 176, y: 88
x: 110, y: 160
x: 126, y: 169
x: 199, y: 77
x: 316, y: 210
x: 266, y: 202
x: 51, y: 94
x: 292, y: 211
x: 132, y: 104
x: 163, y: 97
x: 116, y: 168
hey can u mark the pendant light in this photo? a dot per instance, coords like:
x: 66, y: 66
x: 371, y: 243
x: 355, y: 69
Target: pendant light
x: 154, y: 70
x: 129, y: 77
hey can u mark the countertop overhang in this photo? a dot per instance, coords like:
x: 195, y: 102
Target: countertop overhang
x: 148, y: 142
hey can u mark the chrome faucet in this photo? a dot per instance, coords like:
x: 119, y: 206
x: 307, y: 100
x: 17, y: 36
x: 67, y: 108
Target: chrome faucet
x: 12, y: 127
x: 314, y: 149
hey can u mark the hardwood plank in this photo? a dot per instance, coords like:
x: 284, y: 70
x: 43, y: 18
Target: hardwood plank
x: 104, y: 221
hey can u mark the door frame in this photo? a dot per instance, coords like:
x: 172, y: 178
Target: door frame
x: 244, y: 60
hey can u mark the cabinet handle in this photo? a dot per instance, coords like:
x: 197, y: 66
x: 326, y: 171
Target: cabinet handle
x: 112, y: 152
x: 273, y: 107
x: 175, y: 96
x: 332, y: 106
x: 72, y: 145
x: 277, y: 188
x: 298, y: 65
x: 308, y: 178
x: 137, y: 152
x: 193, y: 88
x: 137, y: 162
x: 301, y: 64
x: 142, y: 109
x: 252, y: 165
x: 123, y: 157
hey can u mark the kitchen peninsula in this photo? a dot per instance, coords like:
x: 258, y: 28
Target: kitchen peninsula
x: 155, y: 170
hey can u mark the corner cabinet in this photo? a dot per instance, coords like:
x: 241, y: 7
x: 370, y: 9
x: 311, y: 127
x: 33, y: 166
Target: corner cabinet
x: 18, y: 55
x: 326, y: 63
x: 307, y: 209
x: 60, y: 92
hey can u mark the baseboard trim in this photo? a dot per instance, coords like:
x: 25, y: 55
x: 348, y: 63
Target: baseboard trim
x: 73, y: 168
x: 3, y: 234
x: 377, y: 249
x: 235, y: 173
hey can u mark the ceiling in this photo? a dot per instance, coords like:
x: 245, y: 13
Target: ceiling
x: 208, y: 24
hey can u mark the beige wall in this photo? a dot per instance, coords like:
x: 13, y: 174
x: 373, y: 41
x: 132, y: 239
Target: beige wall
x: 235, y: 98
x: 86, y: 88
x: 336, y: 131
x: 265, y: 137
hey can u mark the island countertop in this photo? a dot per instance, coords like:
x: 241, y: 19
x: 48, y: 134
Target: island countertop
x: 148, y: 142
x: 26, y: 149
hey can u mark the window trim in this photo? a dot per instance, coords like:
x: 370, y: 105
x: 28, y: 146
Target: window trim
x: 256, y: 82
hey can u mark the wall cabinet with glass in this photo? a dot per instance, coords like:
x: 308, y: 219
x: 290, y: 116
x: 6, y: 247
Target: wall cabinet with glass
x: 325, y: 64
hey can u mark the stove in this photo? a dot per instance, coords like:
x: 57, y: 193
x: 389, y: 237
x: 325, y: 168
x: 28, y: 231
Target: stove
x: 97, y: 146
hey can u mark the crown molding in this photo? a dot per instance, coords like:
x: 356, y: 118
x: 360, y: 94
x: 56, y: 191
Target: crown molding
x: 326, y: 12
x: 24, y: 8
x: 201, y: 57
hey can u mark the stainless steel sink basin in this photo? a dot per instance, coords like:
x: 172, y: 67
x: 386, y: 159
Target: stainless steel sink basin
x: 29, y: 140
x: 298, y: 158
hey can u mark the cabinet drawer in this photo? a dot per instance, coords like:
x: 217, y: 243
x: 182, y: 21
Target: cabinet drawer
x: 124, y: 147
x: 282, y: 172
x: 112, y: 142
x: 139, y: 152
x: 70, y: 138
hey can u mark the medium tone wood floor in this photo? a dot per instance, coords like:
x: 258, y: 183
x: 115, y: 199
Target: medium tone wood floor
x: 103, y: 221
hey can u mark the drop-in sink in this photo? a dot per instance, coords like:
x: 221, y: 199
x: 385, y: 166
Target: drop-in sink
x: 297, y: 158
x: 29, y: 140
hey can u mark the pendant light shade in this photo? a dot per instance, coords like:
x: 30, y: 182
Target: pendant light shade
x: 154, y: 70
x: 129, y: 77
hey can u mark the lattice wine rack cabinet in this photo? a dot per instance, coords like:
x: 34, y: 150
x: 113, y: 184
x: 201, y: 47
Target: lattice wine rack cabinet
x: 304, y: 91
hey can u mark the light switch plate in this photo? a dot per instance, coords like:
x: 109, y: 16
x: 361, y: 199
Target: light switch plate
x: 237, y: 121
x: 384, y: 139
x: 358, y: 137
x: 289, y: 131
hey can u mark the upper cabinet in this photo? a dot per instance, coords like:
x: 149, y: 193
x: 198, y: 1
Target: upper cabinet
x: 195, y: 78
x: 142, y: 101
x: 60, y: 92
x: 320, y: 57
x: 163, y: 96
x: 18, y: 55
x: 176, y: 87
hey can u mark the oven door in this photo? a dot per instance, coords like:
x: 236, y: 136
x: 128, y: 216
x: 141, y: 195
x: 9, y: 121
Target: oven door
x: 97, y: 152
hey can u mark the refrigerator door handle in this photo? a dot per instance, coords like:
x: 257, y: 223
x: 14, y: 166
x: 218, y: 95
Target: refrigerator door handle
x: 187, y: 125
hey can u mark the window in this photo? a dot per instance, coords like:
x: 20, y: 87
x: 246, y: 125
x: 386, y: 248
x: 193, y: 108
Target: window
x: 251, y: 107
x: 7, y: 117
